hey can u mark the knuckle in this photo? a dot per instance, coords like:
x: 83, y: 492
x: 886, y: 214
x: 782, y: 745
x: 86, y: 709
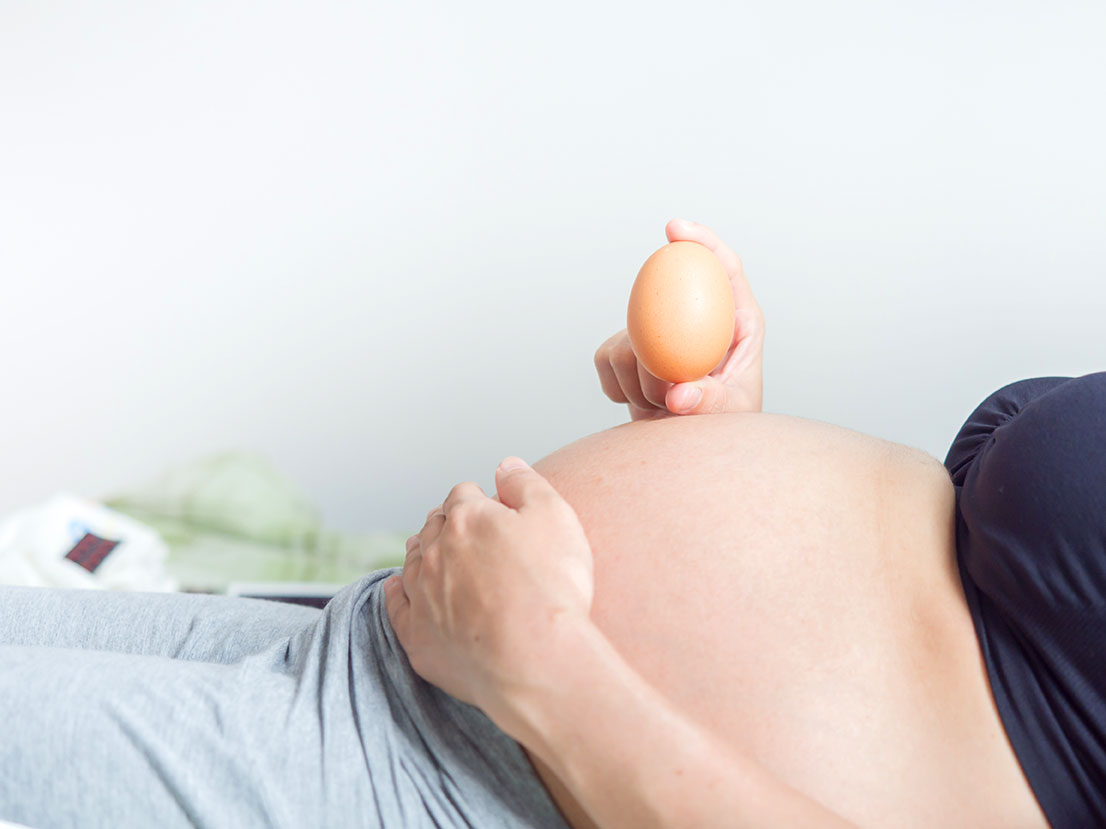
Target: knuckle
x: 431, y: 561
x: 607, y: 347
x: 652, y: 387
x: 460, y: 514
x: 608, y: 381
x: 623, y: 357
x: 453, y: 528
x: 432, y: 520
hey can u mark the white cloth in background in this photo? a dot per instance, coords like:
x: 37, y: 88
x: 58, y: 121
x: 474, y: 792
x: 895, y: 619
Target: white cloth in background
x: 75, y: 542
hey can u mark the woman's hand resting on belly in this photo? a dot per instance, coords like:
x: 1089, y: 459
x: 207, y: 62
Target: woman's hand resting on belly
x: 492, y: 607
x: 488, y: 583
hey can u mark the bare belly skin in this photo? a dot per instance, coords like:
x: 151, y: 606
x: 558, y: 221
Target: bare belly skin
x: 792, y: 586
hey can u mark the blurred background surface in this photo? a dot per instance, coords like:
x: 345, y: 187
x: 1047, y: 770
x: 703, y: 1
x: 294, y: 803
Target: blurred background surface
x: 378, y: 244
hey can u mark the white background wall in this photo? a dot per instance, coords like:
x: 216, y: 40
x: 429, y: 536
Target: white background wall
x: 380, y: 242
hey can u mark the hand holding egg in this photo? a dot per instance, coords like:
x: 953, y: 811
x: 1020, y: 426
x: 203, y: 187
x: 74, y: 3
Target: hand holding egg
x: 695, y: 333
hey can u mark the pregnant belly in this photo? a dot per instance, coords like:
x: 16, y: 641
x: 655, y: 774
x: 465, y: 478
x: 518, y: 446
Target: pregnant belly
x: 792, y: 586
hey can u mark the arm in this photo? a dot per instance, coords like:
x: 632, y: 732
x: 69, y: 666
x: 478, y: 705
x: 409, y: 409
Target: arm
x: 631, y: 758
x: 493, y: 608
x: 735, y: 386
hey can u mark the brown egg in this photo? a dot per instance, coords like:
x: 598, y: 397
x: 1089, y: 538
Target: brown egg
x: 681, y: 313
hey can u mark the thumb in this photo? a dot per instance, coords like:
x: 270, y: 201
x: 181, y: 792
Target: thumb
x: 706, y: 396
x: 518, y: 484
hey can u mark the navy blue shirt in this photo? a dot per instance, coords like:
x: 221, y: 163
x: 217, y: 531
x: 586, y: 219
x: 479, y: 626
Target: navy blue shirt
x: 1029, y: 467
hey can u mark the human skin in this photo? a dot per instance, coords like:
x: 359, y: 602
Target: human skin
x: 776, y: 634
x: 791, y: 586
x: 778, y: 593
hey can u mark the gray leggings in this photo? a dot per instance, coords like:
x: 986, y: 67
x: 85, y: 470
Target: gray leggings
x: 131, y: 709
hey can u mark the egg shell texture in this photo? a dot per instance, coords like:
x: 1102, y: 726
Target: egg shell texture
x: 680, y: 316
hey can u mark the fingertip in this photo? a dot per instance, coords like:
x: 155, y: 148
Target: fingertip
x: 511, y: 463
x: 684, y: 397
x: 677, y: 229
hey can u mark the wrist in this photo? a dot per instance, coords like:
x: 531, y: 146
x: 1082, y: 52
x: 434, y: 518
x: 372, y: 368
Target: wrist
x: 524, y: 703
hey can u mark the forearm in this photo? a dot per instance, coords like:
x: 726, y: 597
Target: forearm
x: 632, y: 759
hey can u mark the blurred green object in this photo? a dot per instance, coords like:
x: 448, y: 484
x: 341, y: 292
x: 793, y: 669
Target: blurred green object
x: 234, y: 517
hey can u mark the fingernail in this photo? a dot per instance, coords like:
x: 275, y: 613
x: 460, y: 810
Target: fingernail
x: 412, y: 541
x: 688, y: 397
x: 507, y: 464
